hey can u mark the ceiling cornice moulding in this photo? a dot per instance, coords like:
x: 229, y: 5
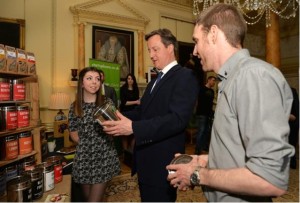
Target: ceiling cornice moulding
x: 84, y: 12
x: 185, y: 5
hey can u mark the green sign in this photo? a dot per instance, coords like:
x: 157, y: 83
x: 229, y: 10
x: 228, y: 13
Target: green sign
x: 111, y: 71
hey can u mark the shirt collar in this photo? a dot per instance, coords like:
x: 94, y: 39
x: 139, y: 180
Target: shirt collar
x: 103, y: 89
x: 168, y: 67
x: 228, y: 66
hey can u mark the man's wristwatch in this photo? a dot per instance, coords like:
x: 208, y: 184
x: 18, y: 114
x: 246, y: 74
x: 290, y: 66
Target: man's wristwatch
x: 195, y: 177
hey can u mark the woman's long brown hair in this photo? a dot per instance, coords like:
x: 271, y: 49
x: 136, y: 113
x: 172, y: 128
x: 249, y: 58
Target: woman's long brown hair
x: 79, y: 96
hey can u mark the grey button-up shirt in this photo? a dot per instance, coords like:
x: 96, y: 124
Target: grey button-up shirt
x: 250, y: 127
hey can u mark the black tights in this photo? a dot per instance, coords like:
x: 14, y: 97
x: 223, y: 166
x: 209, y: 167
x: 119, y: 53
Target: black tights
x: 94, y: 192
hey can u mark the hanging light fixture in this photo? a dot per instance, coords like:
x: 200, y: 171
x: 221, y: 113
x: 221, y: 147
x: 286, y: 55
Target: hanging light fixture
x: 254, y: 10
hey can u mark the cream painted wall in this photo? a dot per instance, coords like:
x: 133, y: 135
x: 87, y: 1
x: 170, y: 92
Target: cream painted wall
x: 18, y: 11
x: 39, y: 40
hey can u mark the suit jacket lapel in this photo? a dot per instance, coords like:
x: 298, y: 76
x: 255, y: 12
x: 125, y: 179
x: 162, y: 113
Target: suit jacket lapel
x: 149, y: 96
x: 147, y: 93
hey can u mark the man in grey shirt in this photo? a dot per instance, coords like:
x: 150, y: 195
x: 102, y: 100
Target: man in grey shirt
x: 249, y: 153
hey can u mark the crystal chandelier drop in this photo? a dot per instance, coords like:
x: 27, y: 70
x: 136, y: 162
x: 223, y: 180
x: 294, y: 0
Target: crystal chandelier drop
x: 254, y: 10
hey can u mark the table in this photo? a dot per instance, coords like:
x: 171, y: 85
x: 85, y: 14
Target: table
x: 64, y: 187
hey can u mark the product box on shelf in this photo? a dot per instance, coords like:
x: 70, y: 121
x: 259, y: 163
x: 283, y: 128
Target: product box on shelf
x: 23, y: 113
x: 11, y: 171
x: 2, y: 58
x: 31, y: 63
x: 18, y: 90
x: 9, y: 147
x: 4, y: 89
x: 21, y: 61
x: 9, y: 118
x: 11, y: 59
x: 25, y: 142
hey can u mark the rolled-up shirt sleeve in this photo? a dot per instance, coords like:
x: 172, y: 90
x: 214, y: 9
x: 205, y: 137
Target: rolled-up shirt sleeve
x: 262, y: 114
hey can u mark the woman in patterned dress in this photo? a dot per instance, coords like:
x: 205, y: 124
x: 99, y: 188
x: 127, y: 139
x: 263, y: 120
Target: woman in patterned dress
x: 96, y: 160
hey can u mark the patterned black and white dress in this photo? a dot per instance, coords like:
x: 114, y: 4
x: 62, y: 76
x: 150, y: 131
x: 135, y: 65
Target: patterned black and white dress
x: 96, y: 159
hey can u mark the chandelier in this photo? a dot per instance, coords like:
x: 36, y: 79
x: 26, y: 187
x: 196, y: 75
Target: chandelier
x: 254, y: 10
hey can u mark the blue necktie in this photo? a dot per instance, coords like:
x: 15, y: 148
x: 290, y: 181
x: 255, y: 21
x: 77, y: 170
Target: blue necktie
x: 159, y: 75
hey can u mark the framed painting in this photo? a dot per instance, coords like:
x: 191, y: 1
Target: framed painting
x: 12, y: 32
x: 116, y: 46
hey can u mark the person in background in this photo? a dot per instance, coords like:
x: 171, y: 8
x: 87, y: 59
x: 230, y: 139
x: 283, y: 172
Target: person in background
x: 130, y: 98
x: 249, y: 154
x: 108, y: 91
x: 190, y: 63
x: 159, y: 122
x: 294, y: 126
x: 204, y: 115
x: 129, y: 94
x: 96, y: 161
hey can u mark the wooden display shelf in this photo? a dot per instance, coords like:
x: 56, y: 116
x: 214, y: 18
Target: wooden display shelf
x: 15, y: 74
x: 36, y: 143
x: 31, y: 97
x: 20, y: 157
x: 14, y: 102
x: 73, y: 83
x: 16, y: 131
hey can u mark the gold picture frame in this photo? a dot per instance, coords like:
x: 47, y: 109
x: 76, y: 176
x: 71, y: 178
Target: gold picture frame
x: 115, y: 46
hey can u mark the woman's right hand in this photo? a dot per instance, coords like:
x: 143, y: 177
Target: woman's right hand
x: 74, y: 136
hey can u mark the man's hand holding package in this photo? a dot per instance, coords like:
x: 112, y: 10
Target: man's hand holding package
x: 182, y: 172
x: 118, y: 128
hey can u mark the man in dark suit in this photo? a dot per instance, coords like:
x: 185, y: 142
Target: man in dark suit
x: 294, y: 126
x: 159, y: 123
x: 108, y: 91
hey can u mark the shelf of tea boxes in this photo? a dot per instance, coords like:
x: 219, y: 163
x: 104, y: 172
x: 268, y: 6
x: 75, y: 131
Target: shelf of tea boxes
x: 20, y: 157
x: 32, y: 99
x: 63, y: 188
x: 36, y: 145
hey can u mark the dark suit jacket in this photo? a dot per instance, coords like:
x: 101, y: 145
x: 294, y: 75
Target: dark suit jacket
x: 110, y: 92
x: 159, y: 123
